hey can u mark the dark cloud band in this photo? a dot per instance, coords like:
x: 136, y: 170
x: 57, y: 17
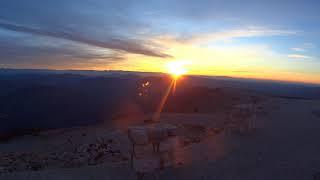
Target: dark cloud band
x: 129, y: 46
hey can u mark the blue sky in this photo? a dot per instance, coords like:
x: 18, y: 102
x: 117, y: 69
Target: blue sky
x: 268, y: 38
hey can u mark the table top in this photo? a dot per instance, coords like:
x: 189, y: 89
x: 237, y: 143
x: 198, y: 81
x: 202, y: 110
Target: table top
x: 150, y: 133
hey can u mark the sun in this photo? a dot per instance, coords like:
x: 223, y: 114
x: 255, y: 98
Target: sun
x: 176, y: 68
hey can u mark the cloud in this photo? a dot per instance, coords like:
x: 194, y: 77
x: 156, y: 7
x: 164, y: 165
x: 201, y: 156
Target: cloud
x: 298, y: 49
x: 248, y: 32
x: 46, y: 52
x: 299, y: 56
x: 129, y: 46
x: 303, y: 47
x: 308, y: 45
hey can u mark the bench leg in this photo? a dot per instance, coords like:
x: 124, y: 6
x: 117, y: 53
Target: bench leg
x: 133, y: 153
x: 156, y: 147
x: 131, y: 161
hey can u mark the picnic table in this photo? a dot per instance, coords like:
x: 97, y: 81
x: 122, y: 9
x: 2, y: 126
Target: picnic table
x: 154, y: 135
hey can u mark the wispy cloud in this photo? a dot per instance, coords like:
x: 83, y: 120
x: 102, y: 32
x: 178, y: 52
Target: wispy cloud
x: 248, y: 32
x: 54, y: 54
x: 118, y: 44
x: 303, y: 47
x: 299, y: 56
x: 308, y: 45
x: 298, y: 49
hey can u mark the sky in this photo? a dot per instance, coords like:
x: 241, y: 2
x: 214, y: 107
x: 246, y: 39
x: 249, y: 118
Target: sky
x: 263, y: 39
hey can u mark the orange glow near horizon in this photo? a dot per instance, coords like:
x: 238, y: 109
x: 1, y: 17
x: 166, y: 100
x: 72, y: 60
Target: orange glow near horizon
x: 262, y: 73
x: 208, y: 58
x: 243, y: 61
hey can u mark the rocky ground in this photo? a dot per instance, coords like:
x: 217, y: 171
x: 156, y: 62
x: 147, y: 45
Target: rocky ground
x: 283, y: 146
x: 108, y: 148
x: 87, y: 154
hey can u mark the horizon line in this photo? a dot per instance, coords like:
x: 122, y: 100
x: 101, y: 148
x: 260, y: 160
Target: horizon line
x: 163, y: 73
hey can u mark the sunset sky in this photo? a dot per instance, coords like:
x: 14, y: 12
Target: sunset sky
x: 269, y: 39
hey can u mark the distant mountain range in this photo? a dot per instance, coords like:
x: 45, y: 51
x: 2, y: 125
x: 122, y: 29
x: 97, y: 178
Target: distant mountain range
x: 40, y: 99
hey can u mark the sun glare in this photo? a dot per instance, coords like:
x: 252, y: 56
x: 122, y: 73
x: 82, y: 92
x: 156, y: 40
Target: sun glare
x: 176, y: 68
